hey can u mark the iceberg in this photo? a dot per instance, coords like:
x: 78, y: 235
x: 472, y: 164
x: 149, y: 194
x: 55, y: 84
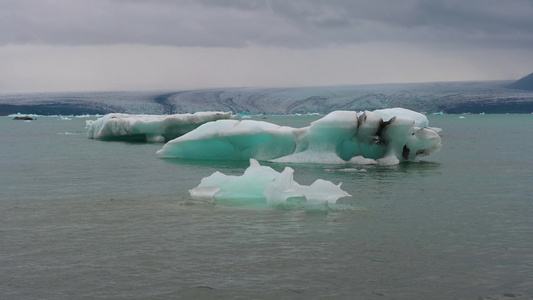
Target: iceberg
x: 21, y: 116
x: 150, y: 128
x: 386, y: 137
x: 262, y: 183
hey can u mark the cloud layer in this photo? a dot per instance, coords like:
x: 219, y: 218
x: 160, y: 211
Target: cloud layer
x: 295, y: 23
x: 185, y: 44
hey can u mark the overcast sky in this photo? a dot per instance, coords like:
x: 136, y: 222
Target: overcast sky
x: 80, y: 45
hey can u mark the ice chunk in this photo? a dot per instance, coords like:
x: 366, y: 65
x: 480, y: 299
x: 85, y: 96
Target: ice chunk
x: 389, y: 160
x: 422, y: 143
x: 207, y: 192
x: 248, y: 186
x: 260, y: 183
x: 421, y: 121
x: 19, y: 115
x: 360, y: 160
x: 150, y: 128
x: 340, y: 137
x: 311, y: 156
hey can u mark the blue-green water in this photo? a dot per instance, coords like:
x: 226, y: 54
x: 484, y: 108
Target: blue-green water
x: 85, y: 219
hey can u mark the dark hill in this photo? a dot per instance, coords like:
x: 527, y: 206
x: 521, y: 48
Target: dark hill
x: 525, y: 83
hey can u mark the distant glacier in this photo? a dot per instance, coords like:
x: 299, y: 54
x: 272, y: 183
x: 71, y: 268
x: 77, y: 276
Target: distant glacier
x: 447, y: 97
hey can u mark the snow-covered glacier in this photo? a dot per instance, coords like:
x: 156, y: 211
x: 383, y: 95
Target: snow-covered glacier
x: 387, y: 136
x: 260, y: 183
x: 432, y: 97
x: 151, y: 128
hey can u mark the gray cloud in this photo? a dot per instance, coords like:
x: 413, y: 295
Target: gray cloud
x: 296, y: 23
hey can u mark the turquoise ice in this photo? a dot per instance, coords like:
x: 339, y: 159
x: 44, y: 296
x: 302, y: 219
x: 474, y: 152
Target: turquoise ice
x: 262, y: 183
x: 387, y: 136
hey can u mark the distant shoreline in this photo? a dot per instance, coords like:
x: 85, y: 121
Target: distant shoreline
x: 492, y: 97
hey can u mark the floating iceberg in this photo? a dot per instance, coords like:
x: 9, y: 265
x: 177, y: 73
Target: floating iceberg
x: 260, y: 183
x: 150, y: 128
x: 26, y: 117
x: 385, y: 137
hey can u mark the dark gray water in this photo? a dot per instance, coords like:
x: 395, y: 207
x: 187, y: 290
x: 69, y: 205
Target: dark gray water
x: 87, y: 219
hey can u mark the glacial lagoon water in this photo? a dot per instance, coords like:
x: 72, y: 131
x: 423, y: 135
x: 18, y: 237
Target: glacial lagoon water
x: 88, y: 219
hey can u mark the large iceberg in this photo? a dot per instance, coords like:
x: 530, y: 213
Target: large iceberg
x: 262, y: 183
x: 386, y: 137
x: 150, y: 128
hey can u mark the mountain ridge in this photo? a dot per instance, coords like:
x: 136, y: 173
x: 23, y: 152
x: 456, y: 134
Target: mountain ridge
x: 524, y: 83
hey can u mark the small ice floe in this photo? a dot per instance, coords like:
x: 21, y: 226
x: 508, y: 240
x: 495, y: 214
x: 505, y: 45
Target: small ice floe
x: 24, y: 117
x: 261, y: 183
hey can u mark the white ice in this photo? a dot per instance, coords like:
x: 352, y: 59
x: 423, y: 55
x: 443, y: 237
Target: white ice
x: 386, y: 137
x: 150, y: 128
x: 260, y: 183
x: 24, y: 115
x: 421, y: 121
